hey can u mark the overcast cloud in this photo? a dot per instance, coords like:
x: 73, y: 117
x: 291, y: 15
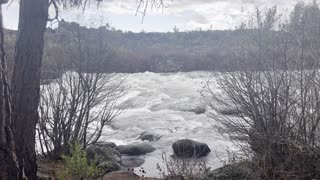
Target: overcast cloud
x: 184, y: 14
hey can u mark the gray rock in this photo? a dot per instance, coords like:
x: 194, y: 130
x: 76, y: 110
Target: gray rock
x: 136, y: 149
x: 110, y: 144
x: 233, y: 171
x: 199, y: 109
x: 147, y: 136
x: 106, y: 157
x: 187, y: 148
x: 132, y: 161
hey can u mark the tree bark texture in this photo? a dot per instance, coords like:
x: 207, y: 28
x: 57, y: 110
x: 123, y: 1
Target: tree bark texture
x: 26, y: 81
x: 8, y: 160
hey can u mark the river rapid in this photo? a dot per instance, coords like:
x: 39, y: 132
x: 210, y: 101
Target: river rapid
x: 164, y: 104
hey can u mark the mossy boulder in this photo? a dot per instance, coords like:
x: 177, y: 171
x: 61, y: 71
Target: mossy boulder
x: 235, y: 171
x: 106, y: 157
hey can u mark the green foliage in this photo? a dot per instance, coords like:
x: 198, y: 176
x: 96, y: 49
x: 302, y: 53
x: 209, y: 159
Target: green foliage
x: 78, y: 166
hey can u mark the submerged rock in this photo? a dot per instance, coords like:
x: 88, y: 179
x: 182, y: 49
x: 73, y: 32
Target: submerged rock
x: 136, y: 149
x: 147, y: 136
x: 200, y: 109
x: 108, y: 158
x: 187, y: 148
x: 132, y: 161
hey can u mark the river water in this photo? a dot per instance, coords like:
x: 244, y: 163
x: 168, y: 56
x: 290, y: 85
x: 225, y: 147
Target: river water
x: 164, y: 104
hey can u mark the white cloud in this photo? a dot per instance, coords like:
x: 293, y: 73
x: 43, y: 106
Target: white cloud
x: 188, y: 14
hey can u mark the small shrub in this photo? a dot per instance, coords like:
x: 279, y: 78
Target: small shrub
x: 189, y: 168
x: 78, y: 166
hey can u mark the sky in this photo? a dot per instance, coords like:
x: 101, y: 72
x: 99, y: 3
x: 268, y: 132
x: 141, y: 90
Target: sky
x: 183, y: 14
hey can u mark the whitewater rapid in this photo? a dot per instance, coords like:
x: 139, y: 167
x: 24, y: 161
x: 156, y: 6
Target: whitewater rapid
x: 163, y: 103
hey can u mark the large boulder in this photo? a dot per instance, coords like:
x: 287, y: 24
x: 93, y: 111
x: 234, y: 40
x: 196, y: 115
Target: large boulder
x: 106, y: 157
x: 187, y: 148
x: 147, y: 136
x: 136, y: 149
x: 233, y: 171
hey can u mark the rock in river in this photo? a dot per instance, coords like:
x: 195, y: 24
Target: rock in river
x: 147, y: 136
x: 187, y: 148
x: 136, y: 149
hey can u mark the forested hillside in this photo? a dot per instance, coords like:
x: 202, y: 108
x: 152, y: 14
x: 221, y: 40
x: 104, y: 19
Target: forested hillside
x: 130, y: 52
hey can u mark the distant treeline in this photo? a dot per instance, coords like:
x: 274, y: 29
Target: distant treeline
x: 106, y: 49
x: 129, y: 52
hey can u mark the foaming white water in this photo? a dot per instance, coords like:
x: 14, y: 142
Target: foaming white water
x: 163, y: 104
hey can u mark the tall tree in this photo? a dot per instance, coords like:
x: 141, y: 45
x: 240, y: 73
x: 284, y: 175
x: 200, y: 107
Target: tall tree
x: 26, y: 81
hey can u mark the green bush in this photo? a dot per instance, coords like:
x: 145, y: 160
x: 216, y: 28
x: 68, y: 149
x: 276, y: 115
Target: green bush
x: 78, y: 166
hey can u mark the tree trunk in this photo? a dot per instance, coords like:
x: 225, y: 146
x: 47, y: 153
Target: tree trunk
x: 26, y: 81
x: 8, y: 161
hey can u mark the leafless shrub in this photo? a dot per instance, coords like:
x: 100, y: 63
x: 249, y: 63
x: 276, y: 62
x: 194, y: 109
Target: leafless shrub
x: 279, y: 100
x: 188, y: 168
x: 77, y: 107
x: 230, y: 112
